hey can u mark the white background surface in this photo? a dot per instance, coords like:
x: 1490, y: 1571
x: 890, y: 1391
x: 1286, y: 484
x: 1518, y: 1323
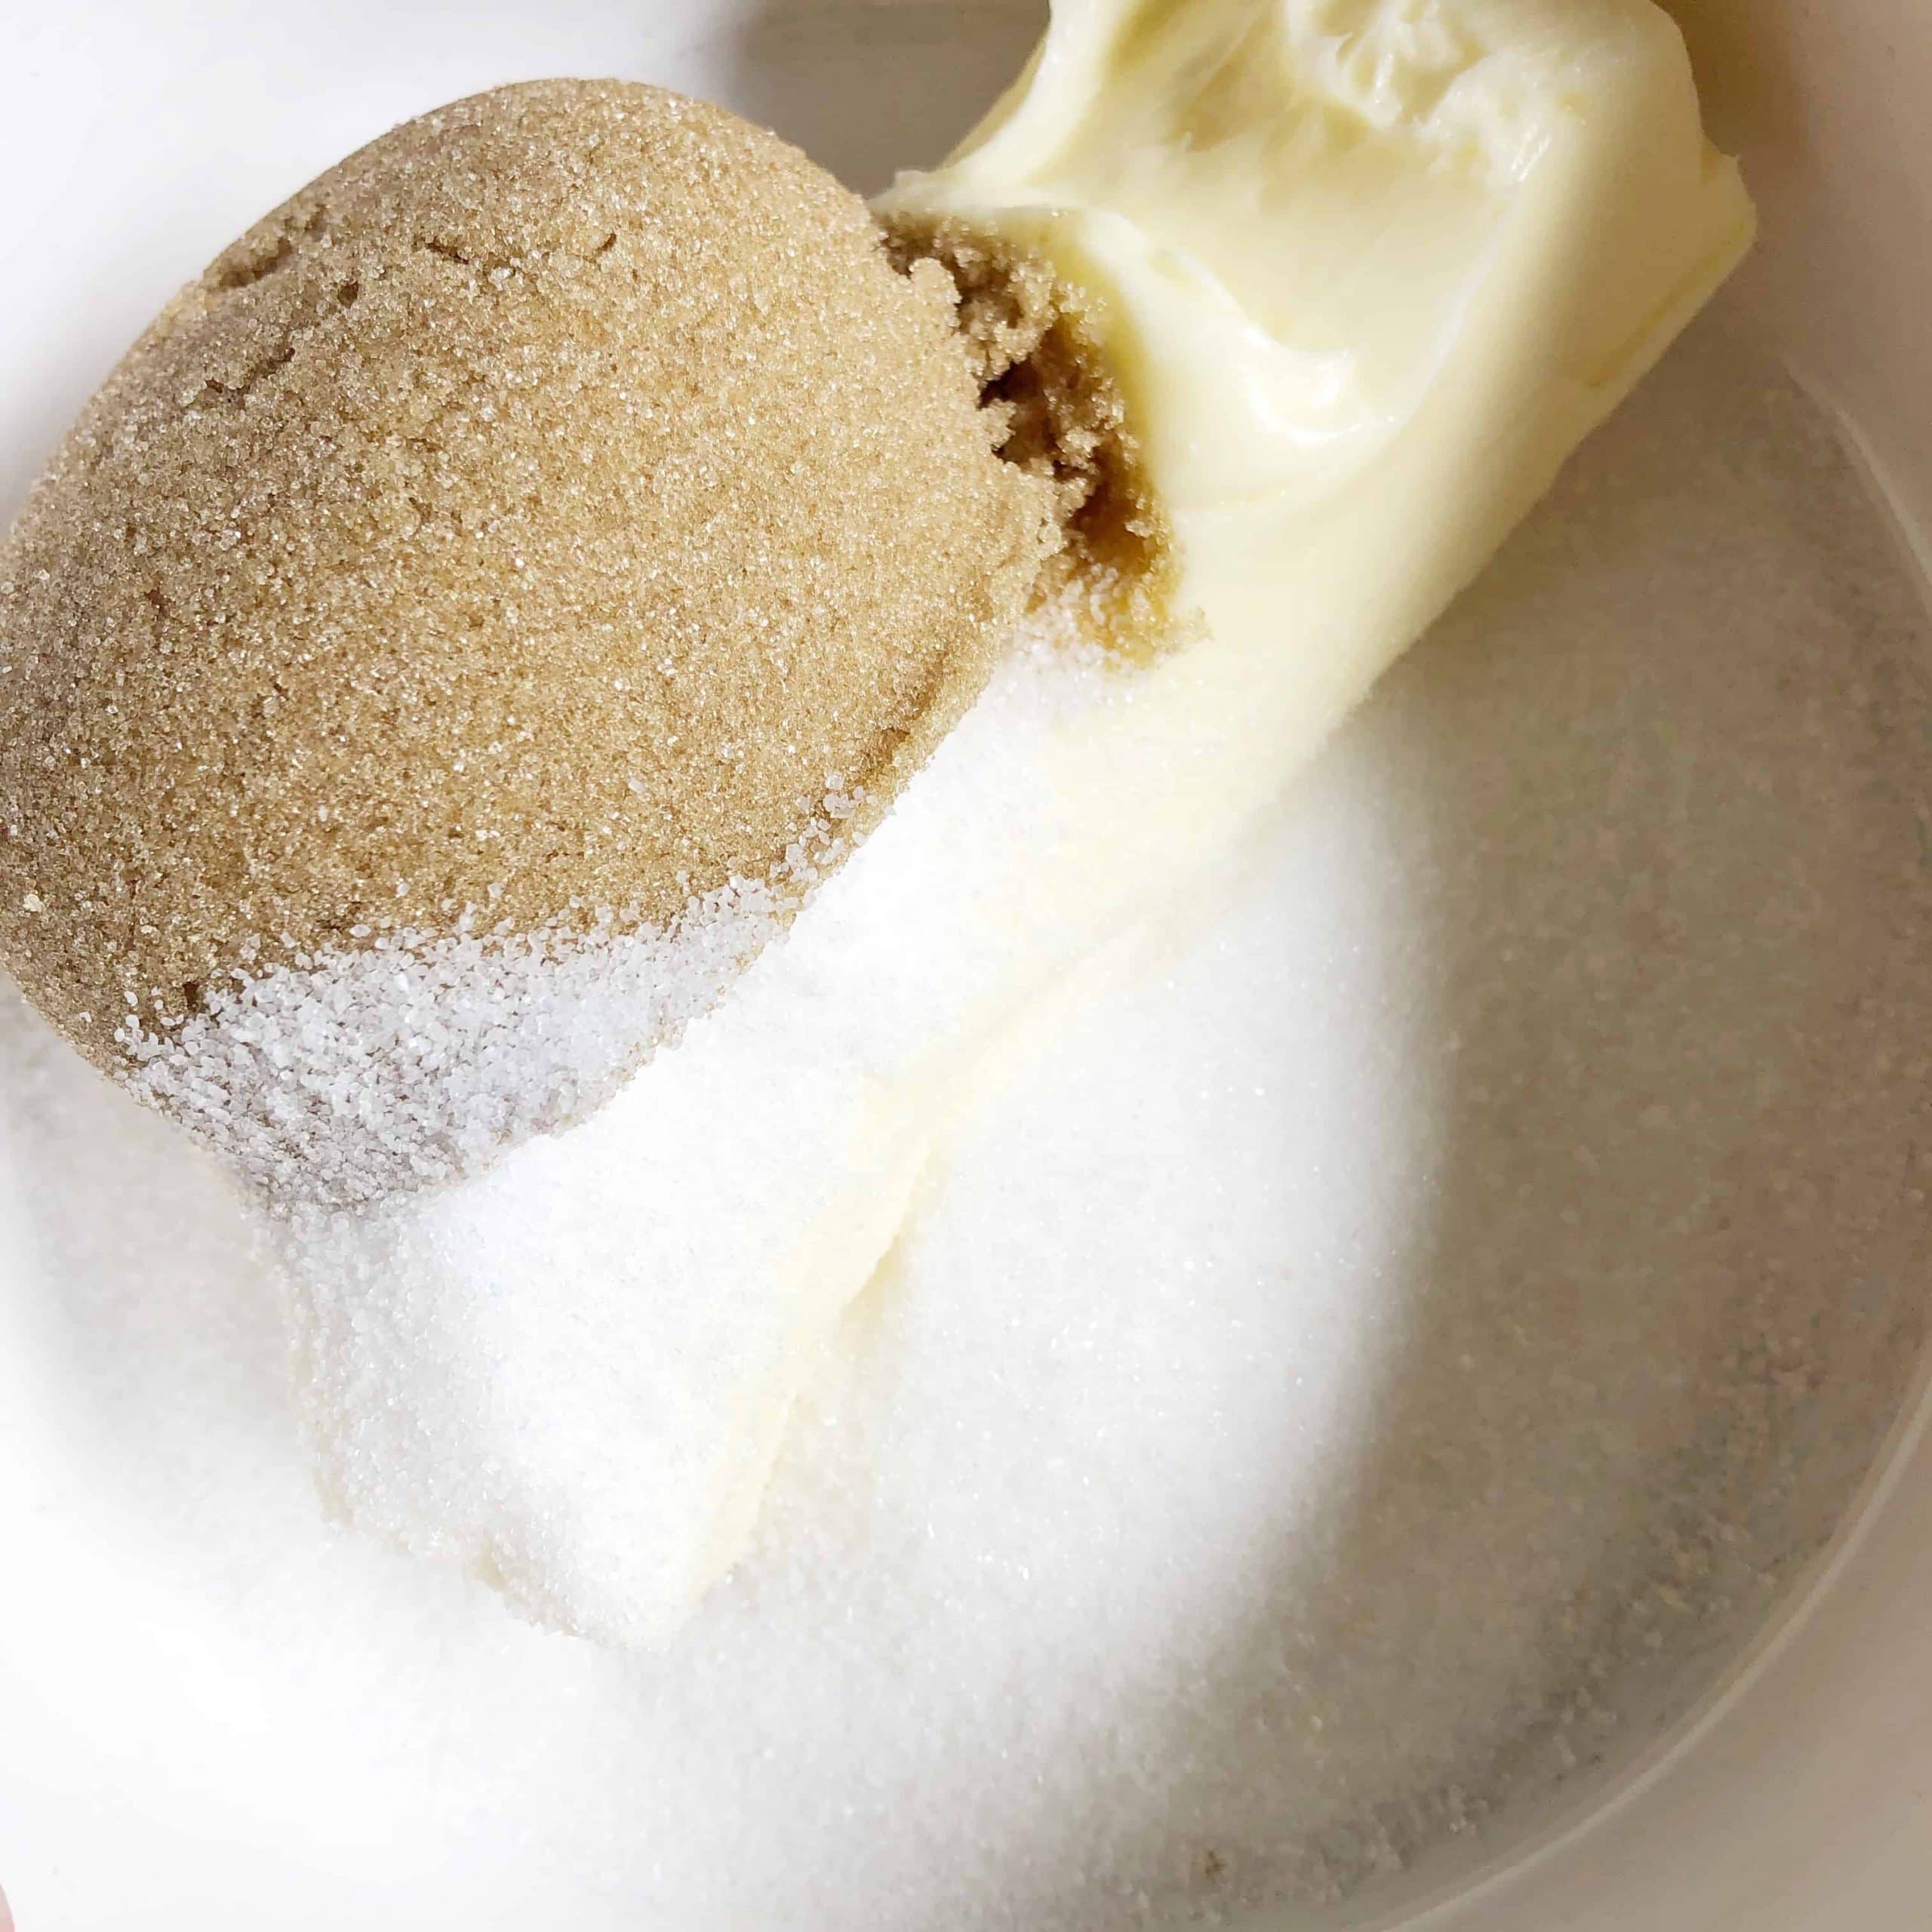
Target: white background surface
x: 137, y: 138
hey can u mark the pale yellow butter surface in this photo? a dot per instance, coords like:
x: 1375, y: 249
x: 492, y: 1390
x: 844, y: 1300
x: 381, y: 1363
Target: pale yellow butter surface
x: 1365, y: 272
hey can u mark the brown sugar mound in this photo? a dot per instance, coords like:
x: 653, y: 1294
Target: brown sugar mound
x: 532, y: 521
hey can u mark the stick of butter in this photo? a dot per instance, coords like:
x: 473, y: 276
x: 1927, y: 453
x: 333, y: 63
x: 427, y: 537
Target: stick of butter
x: 1364, y: 272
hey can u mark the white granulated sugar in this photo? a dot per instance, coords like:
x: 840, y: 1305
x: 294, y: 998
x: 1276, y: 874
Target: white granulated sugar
x: 352, y: 1075
x: 1374, y: 1347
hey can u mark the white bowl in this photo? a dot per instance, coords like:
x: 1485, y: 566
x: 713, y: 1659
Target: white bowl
x: 1800, y: 1796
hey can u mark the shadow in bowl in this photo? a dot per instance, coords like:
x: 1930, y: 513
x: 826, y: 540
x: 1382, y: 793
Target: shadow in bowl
x: 867, y: 87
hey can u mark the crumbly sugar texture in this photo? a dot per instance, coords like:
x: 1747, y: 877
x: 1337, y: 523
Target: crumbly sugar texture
x: 1062, y: 420
x: 559, y: 518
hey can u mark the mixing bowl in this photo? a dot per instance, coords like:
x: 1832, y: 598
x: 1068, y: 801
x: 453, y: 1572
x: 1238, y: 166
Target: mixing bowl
x: 1797, y: 1794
